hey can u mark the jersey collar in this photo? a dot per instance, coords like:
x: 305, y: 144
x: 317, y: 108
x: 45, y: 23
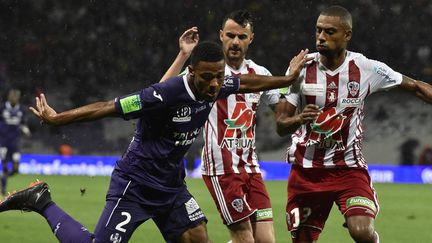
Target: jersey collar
x: 188, y: 89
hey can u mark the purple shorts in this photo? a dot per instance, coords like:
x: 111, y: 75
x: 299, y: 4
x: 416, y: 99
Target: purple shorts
x: 129, y: 204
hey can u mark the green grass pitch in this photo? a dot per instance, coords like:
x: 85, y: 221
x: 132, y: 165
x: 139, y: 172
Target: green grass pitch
x: 405, y: 214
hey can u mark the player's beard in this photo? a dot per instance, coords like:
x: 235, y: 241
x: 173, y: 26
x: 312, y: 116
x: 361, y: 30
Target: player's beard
x: 235, y: 57
x: 330, y: 54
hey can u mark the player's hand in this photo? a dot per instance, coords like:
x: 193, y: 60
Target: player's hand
x: 188, y: 40
x: 298, y: 62
x: 42, y: 110
x: 309, y: 114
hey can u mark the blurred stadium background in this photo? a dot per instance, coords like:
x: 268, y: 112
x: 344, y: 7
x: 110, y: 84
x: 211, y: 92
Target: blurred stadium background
x: 83, y: 51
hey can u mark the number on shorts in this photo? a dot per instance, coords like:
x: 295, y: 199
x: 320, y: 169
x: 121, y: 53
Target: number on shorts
x: 124, y: 222
x: 306, y: 212
x: 296, y: 213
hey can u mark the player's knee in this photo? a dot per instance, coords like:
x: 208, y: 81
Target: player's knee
x: 197, y: 234
x: 362, y: 233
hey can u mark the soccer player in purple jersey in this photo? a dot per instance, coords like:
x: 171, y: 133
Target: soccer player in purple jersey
x: 230, y: 167
x: 148, y: 181
x: 12, y: 124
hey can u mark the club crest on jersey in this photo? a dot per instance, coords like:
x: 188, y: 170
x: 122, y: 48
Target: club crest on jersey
x: 326, y: 130
x: 239, y: 129
x: 183, y: 114
x: 353, y: 87
x: 237, y: 204
x: 331, y: 96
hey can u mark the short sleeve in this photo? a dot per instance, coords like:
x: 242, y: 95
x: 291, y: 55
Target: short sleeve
x: 381, y: 76
x: 271, y: 97
x: 132, y: 106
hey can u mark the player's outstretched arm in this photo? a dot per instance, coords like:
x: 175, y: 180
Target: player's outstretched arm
x: 187, y: 41
x: 251, y: 83
x: 286, y: 120
x: 89, y: 112
x: 421, y: 89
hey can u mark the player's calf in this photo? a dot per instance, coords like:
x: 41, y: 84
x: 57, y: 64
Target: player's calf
x: 263, y: 232
x: 196, y: 234
x: 241, y: 232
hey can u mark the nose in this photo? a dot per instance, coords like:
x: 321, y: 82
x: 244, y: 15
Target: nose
x: 321, y: 37
x: 214, y: 83
x: 236, y: 41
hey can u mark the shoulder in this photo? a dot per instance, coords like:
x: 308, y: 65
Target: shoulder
x: 164, y: 92
x: 365, y: 63
x: 173, y: 83
x: 356, y: 56
x: 360, y: 59
x: 261, y: 70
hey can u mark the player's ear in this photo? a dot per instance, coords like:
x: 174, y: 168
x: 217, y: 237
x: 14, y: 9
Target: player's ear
x: 191, y: 70
x: 251, y: 38
x: 221, y: 35
x: 348, y: 35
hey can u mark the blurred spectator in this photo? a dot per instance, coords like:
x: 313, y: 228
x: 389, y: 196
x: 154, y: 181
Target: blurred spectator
x: 426, y: 156
x: 12, y: 124
x: 83, y: 51
x: 65, y: 150
x: 407, y: 148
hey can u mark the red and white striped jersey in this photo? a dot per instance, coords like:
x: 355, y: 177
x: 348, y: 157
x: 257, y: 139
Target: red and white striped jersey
x: 229, y: 133
x: 334, y: 139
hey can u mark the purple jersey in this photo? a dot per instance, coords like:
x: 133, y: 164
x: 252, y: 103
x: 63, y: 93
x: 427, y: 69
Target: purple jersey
x: 170, y: 118
x: 11, y: 118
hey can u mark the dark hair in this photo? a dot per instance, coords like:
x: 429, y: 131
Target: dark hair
x: 241, y: 17
x: 338, y: 11
x: 207, y: 51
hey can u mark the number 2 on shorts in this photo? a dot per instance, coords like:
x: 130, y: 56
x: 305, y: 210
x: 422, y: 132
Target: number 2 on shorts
x: 124, y: 222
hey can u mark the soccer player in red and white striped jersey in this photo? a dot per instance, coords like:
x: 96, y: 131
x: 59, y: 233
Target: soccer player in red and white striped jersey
x: 327, y: 163
x: 229, y: 160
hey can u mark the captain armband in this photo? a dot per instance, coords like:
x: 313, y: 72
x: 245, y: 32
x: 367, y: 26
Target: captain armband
x: 130, y: 104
